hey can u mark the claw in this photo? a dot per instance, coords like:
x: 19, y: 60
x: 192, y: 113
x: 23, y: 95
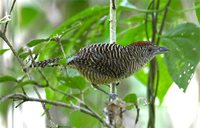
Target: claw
x: 113, y: 96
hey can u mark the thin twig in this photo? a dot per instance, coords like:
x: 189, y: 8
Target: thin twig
x: 18, y: 96
x: 163, y: 21
x: 34, y: 63
x: 82, y: 103
x: 3, y: 36
x: 38, y: 94
x: 88, y: 110
x: 12, y: 7
x: 146, y: 22
x: 63, y: 93
x: 61, y: 46
x: 154, y: 27
x: 138, y: 114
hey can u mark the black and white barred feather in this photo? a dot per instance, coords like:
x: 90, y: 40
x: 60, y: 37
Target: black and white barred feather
x: 108, y: 63
x: 45, y: 63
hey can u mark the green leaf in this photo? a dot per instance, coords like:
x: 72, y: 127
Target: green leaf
x: 131, y: 35
x: 27, y: 82
x: 165, y: 80
x: 2, y: 51
x: 7, y: 79
x: 24, y: 55
x: 75, y: 21
x: 76, y: 82
x: 130, y: 98
x: 36, y: 42
x: 184, y: 55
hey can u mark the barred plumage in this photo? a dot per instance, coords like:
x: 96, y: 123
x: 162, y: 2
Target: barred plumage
x: 109, y: 63
x: 49, y: 62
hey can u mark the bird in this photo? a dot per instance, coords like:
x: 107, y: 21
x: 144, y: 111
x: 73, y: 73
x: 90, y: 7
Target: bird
x: 106, y: 63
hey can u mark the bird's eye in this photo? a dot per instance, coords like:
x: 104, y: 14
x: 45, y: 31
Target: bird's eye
x: 150, y: 50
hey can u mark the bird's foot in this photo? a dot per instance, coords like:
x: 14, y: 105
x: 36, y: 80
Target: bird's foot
x: 113, y: 96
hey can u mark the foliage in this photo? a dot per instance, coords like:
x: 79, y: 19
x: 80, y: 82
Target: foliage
x: 92, y: 26
x: 184, y: 44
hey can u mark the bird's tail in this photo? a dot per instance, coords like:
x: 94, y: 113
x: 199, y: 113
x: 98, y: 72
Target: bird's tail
x: 46, y: 63
x: 53, y: 62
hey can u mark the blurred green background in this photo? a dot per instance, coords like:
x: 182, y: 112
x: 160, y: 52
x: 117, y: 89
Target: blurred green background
x: 78, y: 23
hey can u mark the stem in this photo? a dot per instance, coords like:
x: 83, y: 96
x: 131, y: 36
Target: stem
x: 115, y: 108
x: 68, y: 95
x: 18, y: 96
x: 153, y: 78
x: 61, y: 47
x: 113, y: 89
x: 112, y: 21
x: 163, y: 21
x: 6, y: 25
x: 153, y: 69
x: 3, y: 36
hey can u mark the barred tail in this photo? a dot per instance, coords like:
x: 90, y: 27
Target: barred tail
x: 45, y: 63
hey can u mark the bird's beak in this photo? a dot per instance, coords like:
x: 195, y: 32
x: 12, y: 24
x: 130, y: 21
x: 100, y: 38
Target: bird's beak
x: 161, y: 50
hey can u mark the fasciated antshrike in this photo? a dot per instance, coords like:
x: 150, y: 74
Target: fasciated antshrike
x: 110, y: 63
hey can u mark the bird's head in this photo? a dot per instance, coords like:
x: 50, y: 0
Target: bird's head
x: 147, y: 49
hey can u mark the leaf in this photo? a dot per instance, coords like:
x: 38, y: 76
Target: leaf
x: 36, y: 42
x: 75, y: 21
x: 2, y: 51
x: 76, y: 82
x: 132, y: 34
x: 24, y: 55
x: 130, y: 98
x: 165, y: 81
x: 184, y: 55
x: 27, y: 82
x: 7, y: 79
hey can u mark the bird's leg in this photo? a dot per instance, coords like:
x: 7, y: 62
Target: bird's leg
x: 100, y: 89
x: 111, y: 96
x: 117, y: 83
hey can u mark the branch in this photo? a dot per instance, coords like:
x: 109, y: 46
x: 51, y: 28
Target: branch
x: 3, y: 36
x: 138, y: 114
x: 88, y: 110
x: 61, y: 46
x: 5, y: 27
x: 18, y: 96
x: 24, y: 98
x: 115, y: 108
x: 113, y: 89
x: 114, y: 113
x: 67, y: 95
x: 163, y: 21
x: 153, y: 79
x: 112, y: 21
